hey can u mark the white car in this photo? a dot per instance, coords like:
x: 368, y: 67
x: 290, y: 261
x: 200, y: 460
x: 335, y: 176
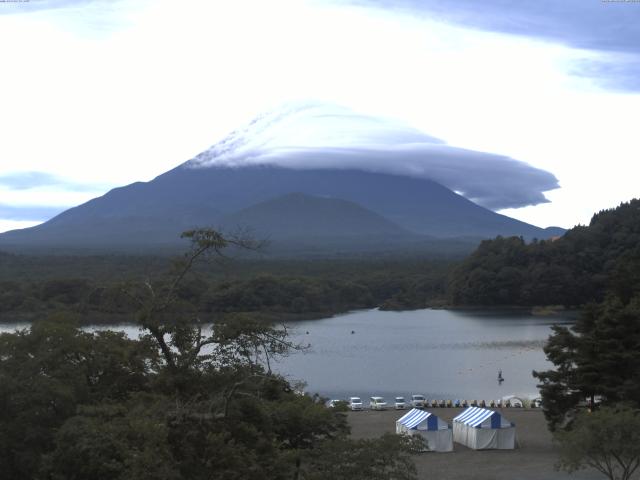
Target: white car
x: 400, y: 404
x: 355, y: 403
x: 335, y: 403
x: 418, y: 401
x: 377, y: 403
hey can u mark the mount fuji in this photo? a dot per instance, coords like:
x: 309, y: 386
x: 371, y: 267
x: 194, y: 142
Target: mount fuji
x: 315, y: 176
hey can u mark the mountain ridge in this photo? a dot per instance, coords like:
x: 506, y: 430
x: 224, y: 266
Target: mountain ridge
x: 156, y: 212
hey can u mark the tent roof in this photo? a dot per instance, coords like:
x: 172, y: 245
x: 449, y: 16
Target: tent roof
x: 414, y: 417
x: 474, y: 416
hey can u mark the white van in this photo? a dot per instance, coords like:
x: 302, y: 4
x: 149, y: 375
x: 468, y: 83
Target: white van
x: 377, y: 403
x: 355, y: 403
x: 418, y: 401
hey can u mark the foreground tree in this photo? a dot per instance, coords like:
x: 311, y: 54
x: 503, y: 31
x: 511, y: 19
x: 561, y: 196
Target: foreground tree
x: 47, y: 372
x: 184, y: 401
x: 599, y: 357
x: 113, y: 442
x: 607, y: 440
x: 388, y: 457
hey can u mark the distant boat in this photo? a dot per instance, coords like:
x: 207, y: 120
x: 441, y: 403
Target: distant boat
x: 500, y: 377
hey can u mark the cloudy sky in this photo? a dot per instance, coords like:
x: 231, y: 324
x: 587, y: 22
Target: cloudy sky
x: 529, y: 108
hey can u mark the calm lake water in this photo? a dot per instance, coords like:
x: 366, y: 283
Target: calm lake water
x: 439, y: 353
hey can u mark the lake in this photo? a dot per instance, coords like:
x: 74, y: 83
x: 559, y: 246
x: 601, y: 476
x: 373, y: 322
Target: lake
x: 445, y: 354
x: 439, y: 353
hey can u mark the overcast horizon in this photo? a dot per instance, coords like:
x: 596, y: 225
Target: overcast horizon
x: 527, y: 109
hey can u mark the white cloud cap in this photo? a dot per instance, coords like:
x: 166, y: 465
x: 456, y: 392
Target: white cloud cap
x: 322, y: 135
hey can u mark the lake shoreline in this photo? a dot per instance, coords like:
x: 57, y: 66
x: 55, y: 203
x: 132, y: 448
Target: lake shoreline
x: 101, y: 318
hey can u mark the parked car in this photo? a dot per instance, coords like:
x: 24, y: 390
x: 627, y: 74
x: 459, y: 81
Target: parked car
x: 377, y: 403
x: 400, y: 403
x: 418, y: 401
x: 335, y: 403
x: 355, y: 403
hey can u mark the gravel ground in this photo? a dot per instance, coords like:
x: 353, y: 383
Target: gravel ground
x: 533, y: 460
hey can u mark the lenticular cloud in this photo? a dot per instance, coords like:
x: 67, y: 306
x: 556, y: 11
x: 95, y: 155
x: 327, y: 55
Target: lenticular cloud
x: 311, y: 136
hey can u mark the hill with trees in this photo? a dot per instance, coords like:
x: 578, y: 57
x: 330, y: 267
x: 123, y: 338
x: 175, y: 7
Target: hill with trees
x: 572, y: 270
x: 90, y: 287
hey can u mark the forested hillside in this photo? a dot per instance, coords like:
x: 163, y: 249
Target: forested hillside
x: 575, y: 269
x: 92, y: 286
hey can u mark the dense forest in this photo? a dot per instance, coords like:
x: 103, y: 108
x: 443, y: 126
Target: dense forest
x: 93, y: 287
x: 572, y: 270
x: 174, y: 404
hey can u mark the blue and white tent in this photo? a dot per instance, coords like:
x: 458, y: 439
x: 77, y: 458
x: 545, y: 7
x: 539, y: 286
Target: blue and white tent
x: 435, y: 431
x: 480, y: 429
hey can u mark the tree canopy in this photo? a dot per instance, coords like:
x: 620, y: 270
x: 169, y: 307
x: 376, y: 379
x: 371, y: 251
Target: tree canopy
x: 182, y: 401
x: 575, y: 269
x: 607, y: 440
x: 598, y: 357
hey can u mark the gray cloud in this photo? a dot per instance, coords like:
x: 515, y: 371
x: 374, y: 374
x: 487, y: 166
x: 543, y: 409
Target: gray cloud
x: 9, y: 8
x: 493, y: 181
x: 325, y: 136
x: 621, y: 73
x: 88, y: 18
x: 27, y: 180
x: 606, y: 26
x: 32, y: 213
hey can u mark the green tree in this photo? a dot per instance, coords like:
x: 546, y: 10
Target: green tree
x: 113, y: 442
x: 183, y: 401
x: 385, y: 458
x: 47, y: 372
x: 607, y: 440
x: 597, y: 357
